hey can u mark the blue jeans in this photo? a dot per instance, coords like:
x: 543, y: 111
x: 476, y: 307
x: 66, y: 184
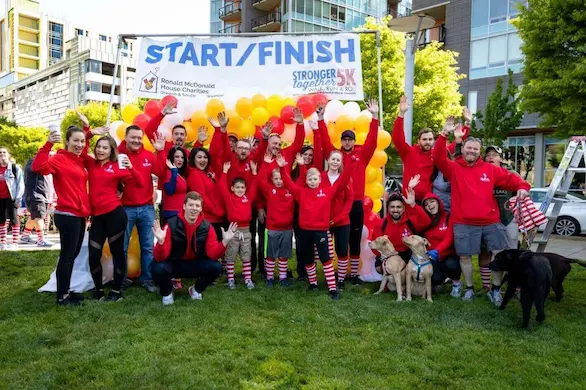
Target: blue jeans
x: 144, y: 218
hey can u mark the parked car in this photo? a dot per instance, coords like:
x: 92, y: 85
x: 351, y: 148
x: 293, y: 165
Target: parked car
x: 572, y: 218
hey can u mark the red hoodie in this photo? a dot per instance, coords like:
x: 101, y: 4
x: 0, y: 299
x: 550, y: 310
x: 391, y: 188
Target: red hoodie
x: 174, y: 202
x: 239, y: 208
x: 69, y: 178
x: 145, y: 163
x: 280, y: 203
x: 395, y: 231
x: 415, y: 160
x: 441, y: 236
x: 342, y: 204
x: 315, y: 204
x: 473, y: 201
x: 360, y: 154
x: 214, y: 249
x: 205, y: 184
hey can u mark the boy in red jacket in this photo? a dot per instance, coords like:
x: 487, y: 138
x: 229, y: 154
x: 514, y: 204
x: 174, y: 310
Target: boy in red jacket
x: 239, y: 200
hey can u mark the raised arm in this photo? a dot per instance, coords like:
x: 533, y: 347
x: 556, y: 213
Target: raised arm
x: 510, y: 181
x: 216, y: 150
x: 290, y: 151
x: 322, y: 129
x: 370, y: 144
x: 440, y: 157
x: 43, y: 163
x: 170, y: 184
x: 318, y: 154
x: 344, y: 178
x: 403, y: 148
x: 288, y: 182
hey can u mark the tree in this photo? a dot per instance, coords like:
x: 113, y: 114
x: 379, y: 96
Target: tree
x: 554, y: 40
x: 96, y: 113
x: 501, y: 115
x: 22, y: 142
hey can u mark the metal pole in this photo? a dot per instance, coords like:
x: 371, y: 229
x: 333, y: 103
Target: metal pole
x: 380, y: 102
x: 113, y: 88
x: 409, y: 85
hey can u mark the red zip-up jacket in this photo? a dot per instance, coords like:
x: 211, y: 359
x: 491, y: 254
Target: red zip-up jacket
x: 239, y: 208
x: 415, y: 160
x: 174, y: 201
x: 441, y: 236
x: 395, y: 231
x: 104, y: 180
x: 70, y: 179
x: 214, y: 249
x: 361, y: 154
x: 145, y: 163
x: 205, y: 183
x: 315, y: 204
x: 473, y: 201
x: 280, y: 203
x: 341, y: 204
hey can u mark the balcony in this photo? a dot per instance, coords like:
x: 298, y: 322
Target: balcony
x: 437, y: 33
x: 231, y: 12
x: 230, y: 29
x: 265, y: 5
x: 267, y: 23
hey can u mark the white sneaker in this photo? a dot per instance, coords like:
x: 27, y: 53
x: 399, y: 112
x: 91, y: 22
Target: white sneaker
x: 45, y: 244
x: 3, y: 247
x: 194, y: 294
x: 249, y: 284
x: 456, y: 290
x: 168, y: 300
x: 26, y: 240
x: 231, y: 284
x: 468, y: 295
x: 495, y: 297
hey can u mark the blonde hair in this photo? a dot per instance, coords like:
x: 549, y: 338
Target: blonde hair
x: 341, y: 159
x: 312, y: 172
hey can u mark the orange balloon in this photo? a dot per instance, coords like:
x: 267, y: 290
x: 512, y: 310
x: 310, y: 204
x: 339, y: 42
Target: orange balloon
x: 246, y: 129
x: 375, y: 191
x: 191, y: 132
x: 133, y: 265
x: 234, y: 121
x: 362, y: 124
x: 244, y: 107
x: 379, y: 176
x: 344, y: 122
x: 121, y: 131
x: 384, y: 140
x: 371, y: 174
x: 134, y: 243
x: 199, y: 118
x: 106, y: 249
x: 379, y: 159
x: 360, y: 138
x: 214, y: 107
x: 377, y: 205
x: 333, y: 131
x: 259, y: 100
x: 146, y: 143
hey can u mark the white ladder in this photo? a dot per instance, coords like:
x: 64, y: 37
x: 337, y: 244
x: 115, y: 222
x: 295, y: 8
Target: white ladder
x: 558, y: 189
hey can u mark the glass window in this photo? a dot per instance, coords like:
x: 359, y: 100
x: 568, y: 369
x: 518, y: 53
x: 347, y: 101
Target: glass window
x: 497, y: 51
x: 341, y: 14
x: 309, y: 7
x: 479, y: 13
x: 479, y: 54
x: 472, y: 102
x: 537, y: 196
x: 514, y: 5
x: 327, y: 11
x: 514, y: 49
x: 299, y: 6
x: 103, y: 38
x: 334, y: 12
x: 78, y: 31
x: 498, y: 10
x: 317, y: 8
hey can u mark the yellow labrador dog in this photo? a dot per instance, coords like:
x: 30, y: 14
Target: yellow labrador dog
x: 393, y: 267
x: 419, y: 268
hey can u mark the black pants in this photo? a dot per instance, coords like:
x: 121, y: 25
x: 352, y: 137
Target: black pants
x: 448, y: 268
x: 8, y: 212
x: 71, y: 231
x: 110, y: 226
x: 301, y: 272
x: 356, y: 224
x: 205, y: 271
x: 258, y: 251
x: 307, y: 240
x: 341, y: 236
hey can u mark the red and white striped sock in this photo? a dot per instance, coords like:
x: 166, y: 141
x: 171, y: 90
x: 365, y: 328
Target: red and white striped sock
x: 330, y: 246
x: 3, y: 233
x: 485, y: 276
x: 283, y: 265
x: 247, y: 270
x: 15, y: 233
x: 311, y: 273
x: 270, y: 268
x: 330, y: 275
x: 230, y: 271
x: 342, y: 267
x: 315, y: 254
x: 354, y: 263
x: 27, y: 232
x: 40, y: 235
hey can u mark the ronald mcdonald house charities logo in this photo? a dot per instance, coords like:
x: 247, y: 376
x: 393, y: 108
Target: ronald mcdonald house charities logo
x: 150, y: 82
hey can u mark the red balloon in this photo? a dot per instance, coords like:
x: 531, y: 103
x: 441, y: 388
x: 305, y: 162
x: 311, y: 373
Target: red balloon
x: 152, y: 108
x: 141, y: 120
x: 278, y: 126
x: 367, y: 205
x: 169, y: 99
x: 306, y: 105
x: 319, y: 98
x: 287, y: 115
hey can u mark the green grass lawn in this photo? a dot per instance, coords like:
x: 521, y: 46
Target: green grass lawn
x: 274, y: 339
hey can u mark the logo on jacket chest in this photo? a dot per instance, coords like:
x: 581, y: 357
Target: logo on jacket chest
x: 244, y: 199
x: 109, y: 169
x: 320, y: 193
x: 443, y: 227
x: 146, y: 163
x: 405, y: 232
x: 484, y: 178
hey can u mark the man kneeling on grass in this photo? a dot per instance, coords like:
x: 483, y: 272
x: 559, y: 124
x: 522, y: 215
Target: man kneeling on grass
x: 187, y: 247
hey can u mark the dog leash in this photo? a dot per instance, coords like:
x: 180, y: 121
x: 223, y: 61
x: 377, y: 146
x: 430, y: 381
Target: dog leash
x: 419, y: 265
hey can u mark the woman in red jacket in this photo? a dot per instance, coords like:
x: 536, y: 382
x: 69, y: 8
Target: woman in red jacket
x: 73, y: 204
x: 175, y: 183
x: 108, y: 217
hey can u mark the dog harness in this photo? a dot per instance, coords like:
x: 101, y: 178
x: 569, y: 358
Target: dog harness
x: 419, y: 265
x: 384, y: 261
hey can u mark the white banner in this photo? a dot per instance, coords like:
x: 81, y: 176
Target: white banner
x: 223, y: 67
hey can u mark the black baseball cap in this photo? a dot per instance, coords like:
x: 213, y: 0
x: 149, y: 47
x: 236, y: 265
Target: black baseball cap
x: 348, y: 134
x: 493, y: 147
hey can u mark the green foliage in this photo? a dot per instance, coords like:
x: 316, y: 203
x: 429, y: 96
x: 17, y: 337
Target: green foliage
x: 96, y: 113
x: 140, y: 102
x: 501, y: 115
x: 6, y: 122
x: 22, y: 142
x: 436, y: 93
x: 554, y: 48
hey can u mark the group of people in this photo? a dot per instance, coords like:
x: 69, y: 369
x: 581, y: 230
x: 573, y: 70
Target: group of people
x: 218, y: 202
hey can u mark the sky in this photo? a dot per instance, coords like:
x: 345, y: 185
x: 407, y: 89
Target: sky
x: 132, y: 16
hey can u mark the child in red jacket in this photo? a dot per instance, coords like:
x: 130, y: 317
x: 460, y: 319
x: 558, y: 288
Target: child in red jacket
x: 239, y: 199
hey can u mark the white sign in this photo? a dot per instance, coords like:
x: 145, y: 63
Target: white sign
x: 191, y: 67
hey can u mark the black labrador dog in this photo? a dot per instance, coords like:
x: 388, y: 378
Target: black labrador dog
x: 560, y: 268
x: 530, y: 271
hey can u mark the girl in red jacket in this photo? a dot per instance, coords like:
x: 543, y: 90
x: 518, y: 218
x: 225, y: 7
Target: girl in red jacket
x: 175, y: 183
x: 73, y: 204
x: 315, y: 202
x: 109, y: 219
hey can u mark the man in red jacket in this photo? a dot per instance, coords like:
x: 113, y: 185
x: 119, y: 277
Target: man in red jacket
x: 187, y: 247
x: 474, y: 209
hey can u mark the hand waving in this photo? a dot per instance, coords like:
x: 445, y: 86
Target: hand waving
x: 82, y: 118
x: 403, y: 106
x: 229, y: 234
x: 298, y: 116
x: 414, y: 181
x: 160, y: 234
x: 372, y: 106
x: 202, y: 134
x: 281, y: 162
x: 410, y: 199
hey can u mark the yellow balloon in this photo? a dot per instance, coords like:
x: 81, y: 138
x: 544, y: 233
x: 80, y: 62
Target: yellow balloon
x: 375, y: 191
x: 199, y: 118
x: 234, y: 121
x: 333, y: 132
x: 379, y: 175
x: 133, y: 265
x: 337, y: 143
x: 190, y: 131
x: 259, y: 100
x: 371, y: 174
x: 214, y: 107
x: 384, y: 140
x: 289, y: 101
x: 362, y: 124
x: 379, y: 158
x: 244, y: 107
x: 121, y: 131
x: 344, y: 122
x: 360, y: 138
x: 146, y: 143
x: 377, y: 205
x: 129, y: 112
x: 247, y: 128
x: 259, y: 116
x: 274, y: 105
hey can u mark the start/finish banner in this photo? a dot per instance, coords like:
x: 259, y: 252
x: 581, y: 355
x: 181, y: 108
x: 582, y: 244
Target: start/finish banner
x: 228, y: 67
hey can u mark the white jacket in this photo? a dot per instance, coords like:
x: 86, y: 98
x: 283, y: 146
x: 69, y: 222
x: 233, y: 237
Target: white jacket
x: 15, y: 183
